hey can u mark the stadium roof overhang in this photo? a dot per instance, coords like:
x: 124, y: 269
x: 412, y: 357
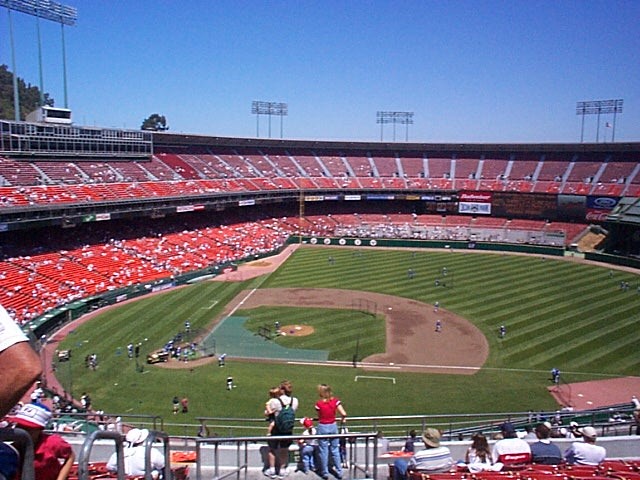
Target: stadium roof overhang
x: 627, y: 211
x: 185, y: 140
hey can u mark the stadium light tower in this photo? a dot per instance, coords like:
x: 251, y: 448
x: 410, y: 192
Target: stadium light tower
x: 403, y: 118
x: 48, y: 10
x: 597, y: 107
x: 259, y: 107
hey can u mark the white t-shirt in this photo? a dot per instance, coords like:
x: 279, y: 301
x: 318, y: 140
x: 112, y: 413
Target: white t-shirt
x: 10, y: 332
x: 277, y: 406
x: 134, y: 460
x: 511, y: 450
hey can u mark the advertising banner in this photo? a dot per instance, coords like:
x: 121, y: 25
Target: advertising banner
x: 475, y: 203
x: 598, y: 208
x: 474, y: 208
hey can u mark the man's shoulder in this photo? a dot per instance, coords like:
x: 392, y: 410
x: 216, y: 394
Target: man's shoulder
x: 433, y: 452
x: 544, y: 447
x: 512, y: 444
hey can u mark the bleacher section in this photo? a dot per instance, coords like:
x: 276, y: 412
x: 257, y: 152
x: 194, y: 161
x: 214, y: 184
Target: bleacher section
x: 178, y: 173
x: 47, y: 181
x: 32, y: 284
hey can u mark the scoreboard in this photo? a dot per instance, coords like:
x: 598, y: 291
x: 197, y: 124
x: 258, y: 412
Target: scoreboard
x: 525, y: 205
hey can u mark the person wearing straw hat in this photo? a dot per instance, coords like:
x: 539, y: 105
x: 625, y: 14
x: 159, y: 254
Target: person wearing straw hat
x: 53, y: 457
x: 433, y: 459
x: 585, y: 452
x: 134, y: 455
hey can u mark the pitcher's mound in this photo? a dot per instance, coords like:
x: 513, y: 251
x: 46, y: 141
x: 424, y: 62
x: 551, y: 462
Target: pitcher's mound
x: 296, y: 330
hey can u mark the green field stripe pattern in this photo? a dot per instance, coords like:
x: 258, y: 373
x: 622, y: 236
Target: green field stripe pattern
x: 556, y: 313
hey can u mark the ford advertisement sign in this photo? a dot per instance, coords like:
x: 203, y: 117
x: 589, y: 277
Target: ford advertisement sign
x: 602, y: 203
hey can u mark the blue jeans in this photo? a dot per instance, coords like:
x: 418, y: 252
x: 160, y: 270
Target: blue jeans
x: 400, y: 469
x: 307, y: 455
x: 329, y: 448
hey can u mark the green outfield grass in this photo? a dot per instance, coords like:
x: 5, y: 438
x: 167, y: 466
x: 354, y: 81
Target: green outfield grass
x: 557, y: 314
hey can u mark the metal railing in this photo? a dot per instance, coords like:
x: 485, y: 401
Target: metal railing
x: 87, y: 446
x: 362, y: 453
x: 24, y: 445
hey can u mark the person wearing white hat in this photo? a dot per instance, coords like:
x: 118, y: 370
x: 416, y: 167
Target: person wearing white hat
x: 19, y: 364
x: 585, y: 452
x: 134, y: 455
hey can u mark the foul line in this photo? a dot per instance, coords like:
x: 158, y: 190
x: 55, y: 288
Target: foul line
x: 399, y: 366
x: 240, y: 304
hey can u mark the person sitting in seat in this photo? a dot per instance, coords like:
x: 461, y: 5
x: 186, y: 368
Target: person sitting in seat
x: 433, y: 459
x: 478, y: 455
x: 585, y: 452
x: 543, y: 451
x: 134, y: 455
x: 53, y: 455
x: 511, y: 450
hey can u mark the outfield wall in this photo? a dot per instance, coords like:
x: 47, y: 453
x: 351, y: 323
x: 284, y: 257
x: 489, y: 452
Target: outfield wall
x: 453, y: 244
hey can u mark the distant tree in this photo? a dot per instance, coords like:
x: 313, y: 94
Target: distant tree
x: 155, y: 122
x: 29, y: 96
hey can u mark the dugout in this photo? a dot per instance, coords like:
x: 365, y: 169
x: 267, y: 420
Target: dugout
x: 623, y: 224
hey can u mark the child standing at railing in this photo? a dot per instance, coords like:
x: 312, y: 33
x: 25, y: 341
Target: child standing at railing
x: 308, y: 447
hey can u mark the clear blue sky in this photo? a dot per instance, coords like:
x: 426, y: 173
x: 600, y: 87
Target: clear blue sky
x: 471, y: 71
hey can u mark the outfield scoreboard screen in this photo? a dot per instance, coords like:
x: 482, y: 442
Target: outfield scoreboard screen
x: 525, y: 205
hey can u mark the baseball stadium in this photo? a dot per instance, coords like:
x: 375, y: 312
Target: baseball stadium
x: 448, y: 285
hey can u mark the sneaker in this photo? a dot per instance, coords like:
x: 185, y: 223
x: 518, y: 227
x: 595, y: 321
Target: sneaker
x: 284, y: 472
x: 270, y: 472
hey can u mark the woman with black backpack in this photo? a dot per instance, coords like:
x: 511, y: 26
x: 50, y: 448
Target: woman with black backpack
x: 284, y: 419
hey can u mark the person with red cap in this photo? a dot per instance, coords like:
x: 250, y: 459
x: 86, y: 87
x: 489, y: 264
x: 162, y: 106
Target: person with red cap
x: 308, y: 447
x: 53, y: 456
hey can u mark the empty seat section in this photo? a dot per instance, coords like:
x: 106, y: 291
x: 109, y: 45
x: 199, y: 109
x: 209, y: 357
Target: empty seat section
x: 285, y: 165
x: 178, y: 165
x: 440, y: 173
x: 581, y: 178
x: 305, y: 183
x: 386, y: 166
x: 204, y: 167
x: 360, y: 166
x: 466, y: 168
x: 264, y: 183
x: 61, y: 171
x: 412, y: 167
x: 310, y: 164
x: 19, y: 172
x: 260, y: 165
x: 393, y: 182
x: 240, y: 167
x: 550, y: 177
x: 493, y: 174
x: 99, y: 172
x: 159, y: 169
x: 334, y: 165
